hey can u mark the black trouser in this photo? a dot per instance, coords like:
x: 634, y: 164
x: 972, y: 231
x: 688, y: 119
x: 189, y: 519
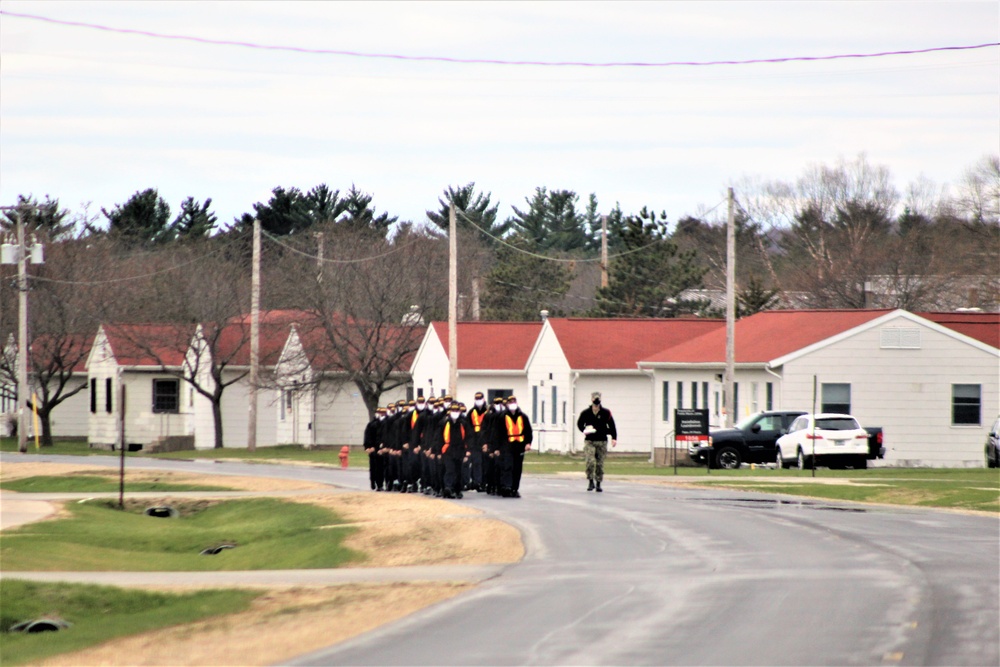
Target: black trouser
x: 375, y: 470
x: 517, y: 458
x: 476, y: 457
x: 511, y: 464
x: 452, y: 474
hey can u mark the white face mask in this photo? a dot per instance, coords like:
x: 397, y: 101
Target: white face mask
x: 421, y: 405
x: 512, y: 406
x: 498, y: 407
x: 447, y: 404
x: 479, y: 402
x: 454, y: 415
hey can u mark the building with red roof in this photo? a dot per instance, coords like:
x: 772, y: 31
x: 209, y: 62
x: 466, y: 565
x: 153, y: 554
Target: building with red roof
x: 931, y: 382
x: 575, y: 357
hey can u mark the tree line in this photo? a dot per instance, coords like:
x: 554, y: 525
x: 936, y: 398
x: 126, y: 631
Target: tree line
x: 840, y: 236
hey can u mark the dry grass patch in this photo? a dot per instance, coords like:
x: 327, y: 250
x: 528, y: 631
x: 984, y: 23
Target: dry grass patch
x: 280, y: 625
x: 404, y: 529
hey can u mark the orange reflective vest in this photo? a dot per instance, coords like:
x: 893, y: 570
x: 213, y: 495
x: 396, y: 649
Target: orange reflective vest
x: 413, y: 419
x: 477, y: 419
x: 515, y: 428
x: 447, y: 435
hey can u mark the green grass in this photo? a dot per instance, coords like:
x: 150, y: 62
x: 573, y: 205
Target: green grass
x: 295, y: 453
x: 968, y: 489
x: 96, y: 482
x: 99, y: 613
x: 67, y: 447
x: 270, y: 534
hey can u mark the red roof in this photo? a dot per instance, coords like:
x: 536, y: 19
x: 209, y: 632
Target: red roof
x: 984, y: 327
x: 48, y: 351
x: 491, y: 345
x: 372, y: 346
x: 149, y: 344
x: 767, y: 335
x: 601, y: 343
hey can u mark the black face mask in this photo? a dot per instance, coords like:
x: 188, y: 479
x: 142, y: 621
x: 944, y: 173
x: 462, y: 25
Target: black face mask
x: 597, y: 401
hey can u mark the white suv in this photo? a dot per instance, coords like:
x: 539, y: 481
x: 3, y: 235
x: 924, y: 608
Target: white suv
x: 830, y: 439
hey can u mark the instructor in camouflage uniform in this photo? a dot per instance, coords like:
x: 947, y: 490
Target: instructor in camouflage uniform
x: 597, y: 424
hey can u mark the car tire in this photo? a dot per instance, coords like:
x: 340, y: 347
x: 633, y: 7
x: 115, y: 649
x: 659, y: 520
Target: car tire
x: 727, y: 459
x: 779, y: 463
x: 802, y: 462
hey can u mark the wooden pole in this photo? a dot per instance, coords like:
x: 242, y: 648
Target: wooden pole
x: 22, y: 338
x: 121, y: 444
x: 254, y: 338
x: 452, y: 303
x: 730, y: 403
x: 604, y: 251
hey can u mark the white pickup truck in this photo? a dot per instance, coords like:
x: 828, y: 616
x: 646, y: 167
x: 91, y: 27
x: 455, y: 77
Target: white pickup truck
x: 830, y: 439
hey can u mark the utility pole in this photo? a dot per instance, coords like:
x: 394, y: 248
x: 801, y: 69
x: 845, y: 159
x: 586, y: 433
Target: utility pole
x: 604, y: 251
x: 730, y: 390
x: 254, y: 337
x: 475, y: 298
x: 319, y: 257
x: 37, y: 257
x: 452, y: 303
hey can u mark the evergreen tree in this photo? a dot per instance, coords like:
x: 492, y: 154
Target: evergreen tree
x: 649, y: 273
x: 195, y: 221
x: 142, y: 220
x: 551, y: 221
x: 521, y: 285
x: 472, y: 211
x: 44, y: 217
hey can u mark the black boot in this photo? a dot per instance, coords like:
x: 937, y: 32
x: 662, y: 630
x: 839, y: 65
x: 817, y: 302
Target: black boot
x: 590, y: 487
x: 598, y: 489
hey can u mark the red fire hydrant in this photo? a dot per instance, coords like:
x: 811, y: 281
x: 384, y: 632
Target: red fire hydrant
x: 344, y: 451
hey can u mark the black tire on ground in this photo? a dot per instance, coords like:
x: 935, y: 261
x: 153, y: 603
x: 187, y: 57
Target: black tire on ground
x: 803, y: 462
x: 728, y: 458
x: 779, y: 463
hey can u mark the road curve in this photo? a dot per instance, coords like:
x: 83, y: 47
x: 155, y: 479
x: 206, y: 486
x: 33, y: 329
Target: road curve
x: 648, y: 575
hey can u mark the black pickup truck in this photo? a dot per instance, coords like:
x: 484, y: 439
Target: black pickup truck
x: 753, y: 441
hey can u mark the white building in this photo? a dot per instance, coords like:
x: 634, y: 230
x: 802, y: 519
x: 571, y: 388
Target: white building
x: 931, y: 381
x: 574, y: 357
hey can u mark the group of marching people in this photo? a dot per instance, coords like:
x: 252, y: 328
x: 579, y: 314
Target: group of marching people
x: 438, y: 447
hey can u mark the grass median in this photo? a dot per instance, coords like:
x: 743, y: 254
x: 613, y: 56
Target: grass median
x: 263, y: 533
x: 99, y: 613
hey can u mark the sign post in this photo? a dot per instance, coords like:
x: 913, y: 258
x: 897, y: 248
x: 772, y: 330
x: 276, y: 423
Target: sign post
x: 692, y: 427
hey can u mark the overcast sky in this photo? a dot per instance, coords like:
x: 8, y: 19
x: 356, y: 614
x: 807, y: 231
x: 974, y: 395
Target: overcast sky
x: 93, y: 116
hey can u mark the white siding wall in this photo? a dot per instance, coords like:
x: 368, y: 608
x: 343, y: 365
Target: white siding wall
x: 236, y: 410
x: 102, y: 426
x: 907, y: 392
x: 629, y: 398
x: 70, y: 419
x: 430, y: 367
x: 548, y: 368
x: 144, y: 426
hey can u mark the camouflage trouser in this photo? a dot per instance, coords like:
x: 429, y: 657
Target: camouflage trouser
x: 594, y: 453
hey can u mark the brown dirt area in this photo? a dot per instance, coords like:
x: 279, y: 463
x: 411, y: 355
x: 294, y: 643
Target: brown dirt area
x: 279, y: 625
x: 394, y: 530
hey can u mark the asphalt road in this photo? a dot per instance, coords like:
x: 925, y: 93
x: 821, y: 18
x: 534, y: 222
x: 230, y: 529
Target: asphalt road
x: 644, y: 575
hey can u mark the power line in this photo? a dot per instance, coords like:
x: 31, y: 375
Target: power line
x: 326, y: 260
x: 483, y: 61
x: 128, y: 278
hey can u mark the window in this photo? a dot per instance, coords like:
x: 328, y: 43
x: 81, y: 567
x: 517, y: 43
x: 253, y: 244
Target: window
x: 736, y: 400
x: 166, y: 396
x: 93, y: 395
x: 836, y: 397
x: 108, y: 403
x: 754, y: 403
x: 555, y: 402
x: 680, y: 395
x: 769, y: 396
x: 564, y: 412
x: 494, y: 393
x: 420, y: 392
x: 694, y: 395
x: 770, y: 423
x: 704, y: 395
x: 409, y: 393
x: 666, y: 401
x: 543, y: 413
x: 534, y: 403
x: 966, y: 404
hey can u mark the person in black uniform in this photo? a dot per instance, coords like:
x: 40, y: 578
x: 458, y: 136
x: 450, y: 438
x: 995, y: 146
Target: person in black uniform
x: 371, y: 443
x: 494, y: 435
x: 474, y: 468
x: 390, y: 442
x: 597, y: 424
x: 456, y: 433
x: 517, y: 428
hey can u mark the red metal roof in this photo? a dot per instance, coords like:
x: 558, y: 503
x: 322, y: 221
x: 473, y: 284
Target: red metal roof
x: 984, y: 327
x: 149, y: 344
x: 491, y: 345
x: 767, y: 335
x: 607, y: 344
